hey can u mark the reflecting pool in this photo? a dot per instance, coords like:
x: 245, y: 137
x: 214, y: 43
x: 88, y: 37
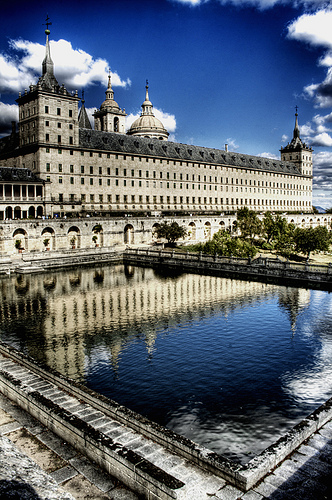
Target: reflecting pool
x: 229, y: 364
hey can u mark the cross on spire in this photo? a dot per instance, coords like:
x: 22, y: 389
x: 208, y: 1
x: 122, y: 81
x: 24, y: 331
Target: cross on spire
x: 47, y: 24
x: 296, y: 108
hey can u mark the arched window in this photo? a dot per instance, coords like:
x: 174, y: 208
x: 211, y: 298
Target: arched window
x: 116, y: 124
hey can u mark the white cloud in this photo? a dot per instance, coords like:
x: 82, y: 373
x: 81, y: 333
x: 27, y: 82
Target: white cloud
x: 73, y: 67
x: 315, y: 30
x: 232, y: 146
x: 259, y: 4
x: 324, y: 140
x: 8, y: 113
x: 271, y: 156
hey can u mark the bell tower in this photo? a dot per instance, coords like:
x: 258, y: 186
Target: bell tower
x: 297, y: 151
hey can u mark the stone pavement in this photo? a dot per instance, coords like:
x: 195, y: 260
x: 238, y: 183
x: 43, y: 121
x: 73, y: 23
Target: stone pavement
x: 51, y: 469
x: 39, y: 465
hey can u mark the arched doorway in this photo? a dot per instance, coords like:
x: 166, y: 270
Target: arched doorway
x: 48, y: 237
x: 129, y: 234
x: 74, y: 237
x: 192, y: 231
x: 207, y: 230
x: 154, y: 231
x: 98, y: 235
x: 20, y: 240
x: 9, y: 213
x: 32, y: 212
x: 17, y: 213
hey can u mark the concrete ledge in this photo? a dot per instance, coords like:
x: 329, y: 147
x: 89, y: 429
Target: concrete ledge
x: 130, y: 467
x: 136, y: 472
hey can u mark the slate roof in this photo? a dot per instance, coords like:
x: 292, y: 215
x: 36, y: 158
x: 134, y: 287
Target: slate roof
x: 13, y: 174
x: 131, y: 145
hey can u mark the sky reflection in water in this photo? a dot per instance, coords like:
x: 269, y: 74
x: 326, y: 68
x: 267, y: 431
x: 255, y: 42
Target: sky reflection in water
x: 229, y: 364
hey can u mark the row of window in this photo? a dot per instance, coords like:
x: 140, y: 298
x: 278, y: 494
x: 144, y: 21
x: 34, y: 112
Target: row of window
x: 188, y: 164
x: 181, y: 176
x: 181, y: 199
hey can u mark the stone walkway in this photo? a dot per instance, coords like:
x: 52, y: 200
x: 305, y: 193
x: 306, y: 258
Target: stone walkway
x: 40, y: 465
x: 33, y: 455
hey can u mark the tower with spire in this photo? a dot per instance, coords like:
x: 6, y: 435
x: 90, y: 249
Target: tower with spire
x: 110, y: 117
x: 147, y: 125
x: 297, y: 151
x: 48, y: 113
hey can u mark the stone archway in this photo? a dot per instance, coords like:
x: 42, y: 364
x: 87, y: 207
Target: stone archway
x: 9, y: 212
x: 98, y: 235
x: 129, y: 234
x: 32, y: 212
x: 192, y: 231
x: 17, y: 213
x: 48, y: 237
x: 154, y: 231
x: 207, y: 230
x: 74, y: 237
x: 20, y: 239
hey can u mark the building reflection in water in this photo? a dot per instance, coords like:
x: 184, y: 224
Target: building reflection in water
x: 87, y: 323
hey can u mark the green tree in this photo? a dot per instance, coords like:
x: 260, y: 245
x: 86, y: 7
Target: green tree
x: 171, y: 232
x: 248, y: 223
x: 277, y: 230
x: 311, y: 239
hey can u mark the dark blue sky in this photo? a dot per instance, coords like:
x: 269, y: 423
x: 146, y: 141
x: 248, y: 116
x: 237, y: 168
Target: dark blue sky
x: 223, y: 72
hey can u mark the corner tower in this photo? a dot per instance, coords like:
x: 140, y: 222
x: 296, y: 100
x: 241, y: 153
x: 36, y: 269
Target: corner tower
x: 298, y: 152
x: 110, y: 117
x: 48, y: 113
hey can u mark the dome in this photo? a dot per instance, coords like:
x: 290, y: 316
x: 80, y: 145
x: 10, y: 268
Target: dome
x: 147, y: 125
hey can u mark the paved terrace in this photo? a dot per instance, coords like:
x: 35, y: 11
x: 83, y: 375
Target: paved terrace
x: 34, y: 456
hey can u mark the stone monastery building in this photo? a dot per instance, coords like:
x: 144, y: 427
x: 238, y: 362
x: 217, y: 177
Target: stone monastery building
x: 60, y: 165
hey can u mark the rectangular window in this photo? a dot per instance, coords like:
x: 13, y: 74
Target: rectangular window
x: 48, y: 167
x: 72, y: 180
x: 82, y: 169
x: 70, y: 113
x: 91, y: 170
x: 58, y: 111
x: 60, y: 179
x: 82, y: 180
x: 46, y: 109
x: 60, y: 167
x: 47, y: 137
x: 100, y: 182
x: 92, y: 198
x: 100, y: 171
x: 91, y: 181
x: 108, y: 182
x: 59, y: 139
x: 71, y: 140
x: 71, y: 169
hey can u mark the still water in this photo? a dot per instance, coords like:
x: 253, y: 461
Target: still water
x: 230, y: 364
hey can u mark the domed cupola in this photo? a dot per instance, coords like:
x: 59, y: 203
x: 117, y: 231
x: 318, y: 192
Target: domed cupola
x: 110, y: 117
x: 147, y: 125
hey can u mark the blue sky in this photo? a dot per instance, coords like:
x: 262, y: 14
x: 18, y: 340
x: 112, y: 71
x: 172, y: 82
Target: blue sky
x: 219, y: 71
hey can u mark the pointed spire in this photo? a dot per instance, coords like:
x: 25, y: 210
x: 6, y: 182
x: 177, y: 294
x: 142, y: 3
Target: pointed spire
x: 48, y: 80
x: 83, y: 119
x: 147, y: 107
x: 109, y: 92
x: 296, y: 133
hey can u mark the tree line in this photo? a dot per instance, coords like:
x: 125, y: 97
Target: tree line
x: 273, y: 233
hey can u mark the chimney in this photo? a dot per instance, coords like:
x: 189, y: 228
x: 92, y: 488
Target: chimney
x: 226, y: 148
